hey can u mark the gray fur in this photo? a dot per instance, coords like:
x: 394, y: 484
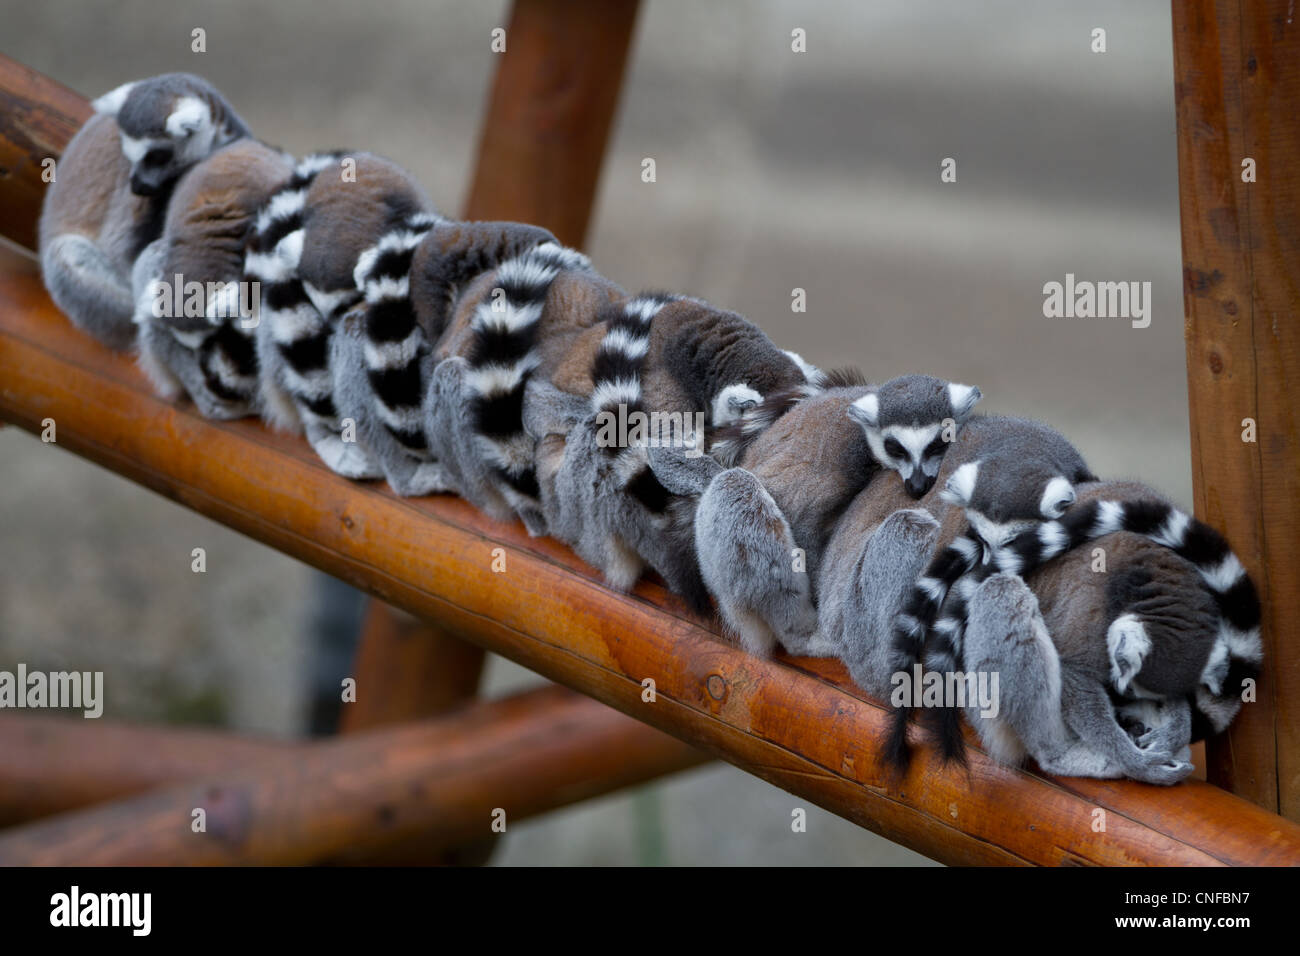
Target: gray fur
x: 103, y: 208
x: 909, y: 422
x: 204, y: 242
x: 623, y: 508
x: 746, y: 552
x: 441, y: 259
x: 1055, y: 714
x: 812, y: 461
x: 408, y: 475
x: 331, y: 222
x: 861, y: 586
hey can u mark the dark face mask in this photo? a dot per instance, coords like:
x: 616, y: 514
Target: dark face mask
x: 149, y: 183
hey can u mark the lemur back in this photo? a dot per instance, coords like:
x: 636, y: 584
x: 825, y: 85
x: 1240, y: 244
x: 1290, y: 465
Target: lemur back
x: 383, y: 356
x: 502, y: 325
x: 309, y: 238
x: 209, y: 353
x: 109, y: 197
x: 645, y: 414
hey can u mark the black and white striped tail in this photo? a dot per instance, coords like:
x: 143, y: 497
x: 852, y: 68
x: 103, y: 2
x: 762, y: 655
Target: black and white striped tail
x: 1237, y: 652
x: 299, y: 331
x: 228, y: 360
x: 915, y: 622
x: 616, y: 377
x: 502, y: 354
x: 394, y: 342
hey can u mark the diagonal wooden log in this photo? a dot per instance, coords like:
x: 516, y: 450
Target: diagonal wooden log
x: 1237, y: 82
x: 361, y: 797
x: 55, y: 764
x: 801, y: 725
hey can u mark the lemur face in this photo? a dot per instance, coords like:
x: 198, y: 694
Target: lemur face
x: 909, y: 423
x: 1002, y: 502
x: 164, y: 131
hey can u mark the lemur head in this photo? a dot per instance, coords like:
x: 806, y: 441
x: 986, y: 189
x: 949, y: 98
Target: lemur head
x: 168, y: 123
x: 1005, y: 497
x: 909, y: 422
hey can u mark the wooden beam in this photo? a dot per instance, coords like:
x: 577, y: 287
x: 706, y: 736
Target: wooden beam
x: 552, y: 106
x: 1237, y: 83
x: 801, y: 725
x: 37, y: 118
x: 350, y: 798
x: 55, y: 764
x: 406, y: 669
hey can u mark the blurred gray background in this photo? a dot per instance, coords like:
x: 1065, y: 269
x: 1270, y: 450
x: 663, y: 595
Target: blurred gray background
x: 776, y: 170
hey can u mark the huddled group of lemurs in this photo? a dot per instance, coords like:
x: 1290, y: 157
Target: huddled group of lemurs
x: 882, y: 524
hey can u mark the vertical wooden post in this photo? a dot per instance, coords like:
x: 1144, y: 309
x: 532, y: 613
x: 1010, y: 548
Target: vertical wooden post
x: 1237, y: 83
x: 553, y: 103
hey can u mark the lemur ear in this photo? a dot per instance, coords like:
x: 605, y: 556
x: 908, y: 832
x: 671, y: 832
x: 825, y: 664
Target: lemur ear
x: 960, y: 486
x: 110, y: 104
x: 866, y: 410
x: 963, y: 399
x: 733, y: 402
x: 187, y: 117
x: 1057, y: 496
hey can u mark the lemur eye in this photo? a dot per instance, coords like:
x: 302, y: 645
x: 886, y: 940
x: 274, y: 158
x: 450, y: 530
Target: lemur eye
x: 157, y: 157
x: 894, y: 448
x: 935, y: 448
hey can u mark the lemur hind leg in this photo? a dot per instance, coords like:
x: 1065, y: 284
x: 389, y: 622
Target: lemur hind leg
x: 409, y: 473
x: 86, y: 285
x: 1007, y: 641
x: 859, y: 602
x: 745, y: 550
x: 346, y: 458
x: 451, y: 435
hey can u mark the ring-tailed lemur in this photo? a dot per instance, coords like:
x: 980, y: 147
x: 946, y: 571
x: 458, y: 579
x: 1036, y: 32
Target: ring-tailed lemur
x: 1041, y: 468
x: 383, y: 354
x: 304, y: 251
x: 208, y: 352
x: 1146, y: 661
x: 650, y: 400
x: 110, y: 196
x: 1052, y: 701
x: 502, y: 323
x: 796, y: 477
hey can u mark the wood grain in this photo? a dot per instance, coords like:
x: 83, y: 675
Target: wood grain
x: 362, y: 797
x: 552, y: 105
x: 37, y: 118
x: 801, y: 725
x: 1237, y: 82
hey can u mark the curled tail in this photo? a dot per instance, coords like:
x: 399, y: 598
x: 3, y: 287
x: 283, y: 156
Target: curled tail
x: 294, y: 326
x: 616, y: 393
x: 502, y: 354
x: 912, y: 625
x: 394, y: 342
x: 1237, y: 651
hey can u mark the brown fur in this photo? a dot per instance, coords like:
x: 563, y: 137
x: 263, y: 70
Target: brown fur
x: 343, y: 219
